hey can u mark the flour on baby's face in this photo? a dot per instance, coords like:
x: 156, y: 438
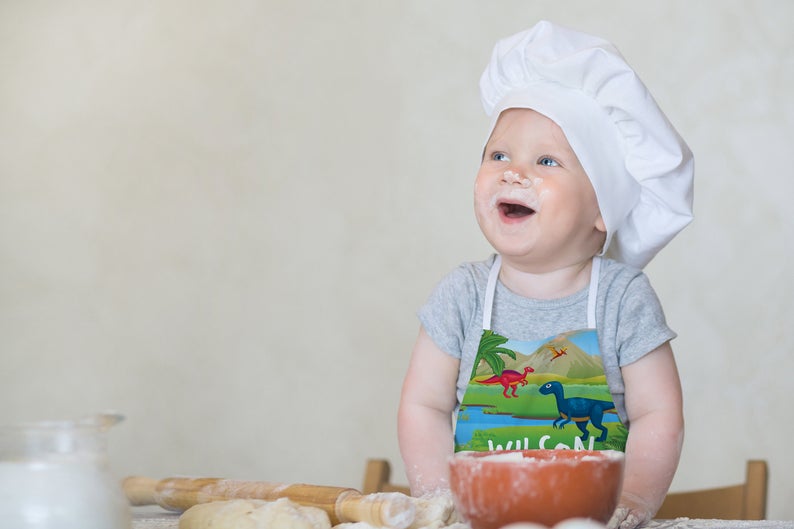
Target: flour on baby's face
x: 511, y: 177
x: 526, y: 194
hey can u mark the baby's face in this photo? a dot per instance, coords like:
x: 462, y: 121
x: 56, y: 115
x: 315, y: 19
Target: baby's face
x: 533, y: 200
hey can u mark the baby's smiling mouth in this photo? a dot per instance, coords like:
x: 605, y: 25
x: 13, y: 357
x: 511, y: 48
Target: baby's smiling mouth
x: 515, y: 211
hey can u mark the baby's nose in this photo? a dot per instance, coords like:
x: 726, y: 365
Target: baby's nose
x: 511, y: 177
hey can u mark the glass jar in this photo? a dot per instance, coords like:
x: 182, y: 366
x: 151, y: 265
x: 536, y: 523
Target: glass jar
x: 56, y: 475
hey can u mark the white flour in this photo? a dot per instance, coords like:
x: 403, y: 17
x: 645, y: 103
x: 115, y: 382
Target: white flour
x: 66, y: 495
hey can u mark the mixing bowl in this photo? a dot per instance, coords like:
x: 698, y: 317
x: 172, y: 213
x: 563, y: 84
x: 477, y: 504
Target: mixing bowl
x: 493, y: 489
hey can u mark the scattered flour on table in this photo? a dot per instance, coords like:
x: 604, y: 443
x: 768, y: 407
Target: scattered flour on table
x: 687, y: 523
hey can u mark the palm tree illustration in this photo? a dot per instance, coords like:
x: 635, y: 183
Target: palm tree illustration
x: 489, y: 350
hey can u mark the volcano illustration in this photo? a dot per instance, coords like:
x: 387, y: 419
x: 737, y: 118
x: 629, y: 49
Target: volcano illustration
x: 558, y: 356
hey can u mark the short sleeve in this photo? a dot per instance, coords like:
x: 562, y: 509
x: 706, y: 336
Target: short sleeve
x: 641, y: 323
x: 450, y: 309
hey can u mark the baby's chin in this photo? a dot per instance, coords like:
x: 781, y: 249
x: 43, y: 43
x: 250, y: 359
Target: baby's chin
x: 510, y: 241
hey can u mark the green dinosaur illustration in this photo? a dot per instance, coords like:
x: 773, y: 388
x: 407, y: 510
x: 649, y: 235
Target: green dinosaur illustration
x: 489, y: 350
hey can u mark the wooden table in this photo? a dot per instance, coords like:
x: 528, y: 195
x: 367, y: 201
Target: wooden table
x: 154, y: 519
x: 161, y: 519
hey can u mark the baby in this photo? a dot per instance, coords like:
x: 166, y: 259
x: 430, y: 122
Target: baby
x: 558, y: 340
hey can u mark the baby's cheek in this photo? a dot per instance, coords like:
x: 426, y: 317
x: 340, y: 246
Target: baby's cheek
x: 543, y: 194
x: 483, y: 203
x: 481, y: 196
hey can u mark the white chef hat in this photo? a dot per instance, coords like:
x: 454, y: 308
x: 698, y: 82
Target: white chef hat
x: 640, y: 168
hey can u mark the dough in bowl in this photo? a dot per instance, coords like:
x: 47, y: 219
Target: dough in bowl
x: 253, y: 514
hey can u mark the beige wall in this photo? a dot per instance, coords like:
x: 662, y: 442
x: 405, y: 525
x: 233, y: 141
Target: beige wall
x: 220, y: 217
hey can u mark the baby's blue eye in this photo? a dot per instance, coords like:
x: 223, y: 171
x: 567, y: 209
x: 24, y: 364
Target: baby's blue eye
x: 547, y: 161
x: 500, y: 157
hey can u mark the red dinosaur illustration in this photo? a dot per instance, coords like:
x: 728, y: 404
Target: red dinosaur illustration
x: 508, y: 379
x: 557, y: 352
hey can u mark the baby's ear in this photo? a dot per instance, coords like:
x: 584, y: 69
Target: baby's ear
x: 599, y: 224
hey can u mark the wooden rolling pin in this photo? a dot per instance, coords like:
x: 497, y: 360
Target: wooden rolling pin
x: 385, y: 509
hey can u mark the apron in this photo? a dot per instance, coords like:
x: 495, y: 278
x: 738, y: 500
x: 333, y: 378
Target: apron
x: 549, y: 393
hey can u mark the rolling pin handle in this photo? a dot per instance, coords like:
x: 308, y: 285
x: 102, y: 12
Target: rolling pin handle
x: 392, y: 510
x: 140, y: 490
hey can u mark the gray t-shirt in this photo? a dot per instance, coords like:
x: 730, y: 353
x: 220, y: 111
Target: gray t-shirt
x: 629, y: 318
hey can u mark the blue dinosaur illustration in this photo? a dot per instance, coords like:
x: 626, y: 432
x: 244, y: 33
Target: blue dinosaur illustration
x: 580, y: 410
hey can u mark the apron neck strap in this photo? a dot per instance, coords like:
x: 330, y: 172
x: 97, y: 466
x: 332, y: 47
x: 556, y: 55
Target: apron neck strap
x: 493, y: 276
x: 490, y: 289
x: 592, y: 293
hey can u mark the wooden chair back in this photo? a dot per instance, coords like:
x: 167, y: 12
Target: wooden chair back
x: 746, y: 501
x: 377, y: 478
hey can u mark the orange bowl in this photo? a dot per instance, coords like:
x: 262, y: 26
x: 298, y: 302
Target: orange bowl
x: 493, y: 489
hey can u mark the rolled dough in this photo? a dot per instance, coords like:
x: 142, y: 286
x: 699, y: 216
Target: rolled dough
x: 253, y: 514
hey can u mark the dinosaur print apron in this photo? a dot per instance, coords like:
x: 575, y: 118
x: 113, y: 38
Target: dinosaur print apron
x: 549, y: 393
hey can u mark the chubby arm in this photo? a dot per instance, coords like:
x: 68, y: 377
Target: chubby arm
x: 654, y: 405
x: 424, y: 422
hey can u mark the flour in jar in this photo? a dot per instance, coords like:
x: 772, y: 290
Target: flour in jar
x: 68, y: 494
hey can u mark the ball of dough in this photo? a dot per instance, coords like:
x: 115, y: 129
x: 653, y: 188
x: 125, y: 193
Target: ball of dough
x: 579, y: 523
x: 253, y: 514
x: 524, y: 525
